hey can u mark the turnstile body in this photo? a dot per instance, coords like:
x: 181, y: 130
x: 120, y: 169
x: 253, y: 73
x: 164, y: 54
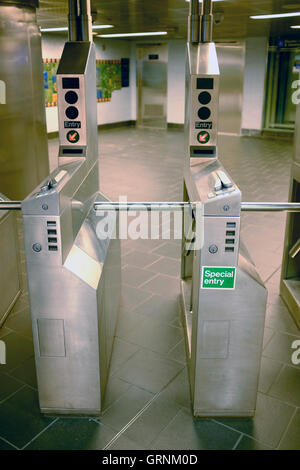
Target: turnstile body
x: 73, y: 276
x: 223, y: 300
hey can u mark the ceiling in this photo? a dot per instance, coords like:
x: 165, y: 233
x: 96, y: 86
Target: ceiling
x: 129, y: 16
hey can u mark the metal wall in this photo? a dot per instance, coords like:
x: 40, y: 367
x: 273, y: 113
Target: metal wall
x: 23, y: 142
x: 231, y: 59
x: 152, y: 78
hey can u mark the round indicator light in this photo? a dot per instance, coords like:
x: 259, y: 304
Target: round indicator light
x: 204, y: 97
x: 204, y: 113
x: 73, y: 137
x: 72, y: 112
x: 203, y: 137
x: 71, y: 97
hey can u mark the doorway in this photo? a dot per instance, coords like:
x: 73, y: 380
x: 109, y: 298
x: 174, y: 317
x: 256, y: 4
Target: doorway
x: 152, y: 81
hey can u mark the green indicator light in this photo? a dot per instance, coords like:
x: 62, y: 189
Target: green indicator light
x: 73, y: 137
x: 203, y: 137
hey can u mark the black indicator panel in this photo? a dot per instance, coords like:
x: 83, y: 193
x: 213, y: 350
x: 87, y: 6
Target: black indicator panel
x: 71, y: 83
x: 205, y: 83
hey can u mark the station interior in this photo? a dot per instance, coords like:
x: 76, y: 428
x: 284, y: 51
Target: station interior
x: 100, y: 348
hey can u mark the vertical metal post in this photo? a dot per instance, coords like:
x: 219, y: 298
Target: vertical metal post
x: 206, y: 21
x: 86, y: 20
x: 194, y: 22
x: 73, y: 20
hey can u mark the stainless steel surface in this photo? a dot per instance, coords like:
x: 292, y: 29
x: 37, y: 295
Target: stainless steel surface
x: 73, y: 19
x: 10, y: 287
x: 194, y: 22
x: 231, y: 59
x: 73, y: 277
x: 295, y: 249
x: 23, y: 143
x: 152, y: 78
x: 270, y: 206
x: 290, y: 271
x: 206, y: 21
x: 10, y: 205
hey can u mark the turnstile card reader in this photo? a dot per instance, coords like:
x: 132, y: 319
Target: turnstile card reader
x: 223, y: 300
x: 73, y: 277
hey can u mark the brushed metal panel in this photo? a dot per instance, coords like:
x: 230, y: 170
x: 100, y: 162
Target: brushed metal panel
x: 51, y: 337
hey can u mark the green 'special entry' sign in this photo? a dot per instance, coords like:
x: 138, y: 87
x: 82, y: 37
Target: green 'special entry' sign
x: 218, y: 277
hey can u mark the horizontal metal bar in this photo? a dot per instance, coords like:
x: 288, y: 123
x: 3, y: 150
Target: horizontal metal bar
x: 141, y: 206
x: 270, y: 206
x: 10, y: 205
x: 295, y: 249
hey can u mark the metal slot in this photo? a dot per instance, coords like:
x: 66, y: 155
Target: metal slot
x: 52, y: 240
x: 229, y: 249
x: 231, y: 224
x: 51, y: 223
x: 229, y: 241
x: 52, y: 232
x: 52, y: 248
x: 230, y: 233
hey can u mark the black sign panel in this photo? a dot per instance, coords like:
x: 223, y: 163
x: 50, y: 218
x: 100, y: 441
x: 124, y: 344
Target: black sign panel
x: 205, y: 83
x: 72, y: 124
x: 203, y: 125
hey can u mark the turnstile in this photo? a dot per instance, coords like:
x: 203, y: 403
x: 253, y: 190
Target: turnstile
x: 223, y: 300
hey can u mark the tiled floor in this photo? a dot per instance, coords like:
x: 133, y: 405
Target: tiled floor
x: 147, y: 401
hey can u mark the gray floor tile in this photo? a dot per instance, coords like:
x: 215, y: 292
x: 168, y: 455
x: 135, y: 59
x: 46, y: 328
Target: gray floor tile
x: 126, y: 408
x: 135, y: 277
x: 269, y: 370
x: 154, y: 335
x: 280, y: 348
x: 179, y: 389
x: 140, y: 258
x: 149, y: 370
x: 152, y: 421
x: 169, y: 266
x: 132, y: 297
x: 115, y: 388
x: 163, y: 285
x: 279, y: 318
x: 268, y: 425
x: 123, y: 443
x: 287, y: 386
x: 178, y: 353
x: 122, y: 351
x: 164, y: 309
x: 268, y: 333
x: 21, y: 323
x: 73, y: 434
x: 169, y: 249
x: 4, y: 331
x: 187, y: 433
x: 20, y: 417
x: 18, y: 349
x: 291, y: 440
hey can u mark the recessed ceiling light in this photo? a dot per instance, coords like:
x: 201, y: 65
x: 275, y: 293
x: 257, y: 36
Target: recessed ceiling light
x: 64, y: 28
x: 277, y: 15
x: 124, y: 35
x: 200, y: 1
x: 297, y: 26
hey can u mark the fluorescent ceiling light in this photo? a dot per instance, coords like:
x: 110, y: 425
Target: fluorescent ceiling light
x: 277, y: 15
x: 296, y: 26
x: 64, y: 28
x: 125, y: 35
x: 200, y: 1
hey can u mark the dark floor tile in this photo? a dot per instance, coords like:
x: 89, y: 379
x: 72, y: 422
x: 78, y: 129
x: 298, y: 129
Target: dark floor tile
x: 8, y: 385
x: 73, y: 434
x: 280, y: 348
x: 123, y: 443
x: 115, y: 388
x: 4, y: 332
x: 135, y: 277
x: 291, y: 440
x: 20, y: 417
x: 187, y: 433
x: 26, y: 372
x: 279, y: 318
x: 269, y: 370
x: 149, y: 370
x: 152, y: 421
x: 247, y: 443
x: 287, y: 386
x: 5, y: 446
x: 21, y: 304
x: 269, y: 423
x: 126, y: 408
x: 140, y: 259
x: 18, y: 349
x: 21, y: 323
